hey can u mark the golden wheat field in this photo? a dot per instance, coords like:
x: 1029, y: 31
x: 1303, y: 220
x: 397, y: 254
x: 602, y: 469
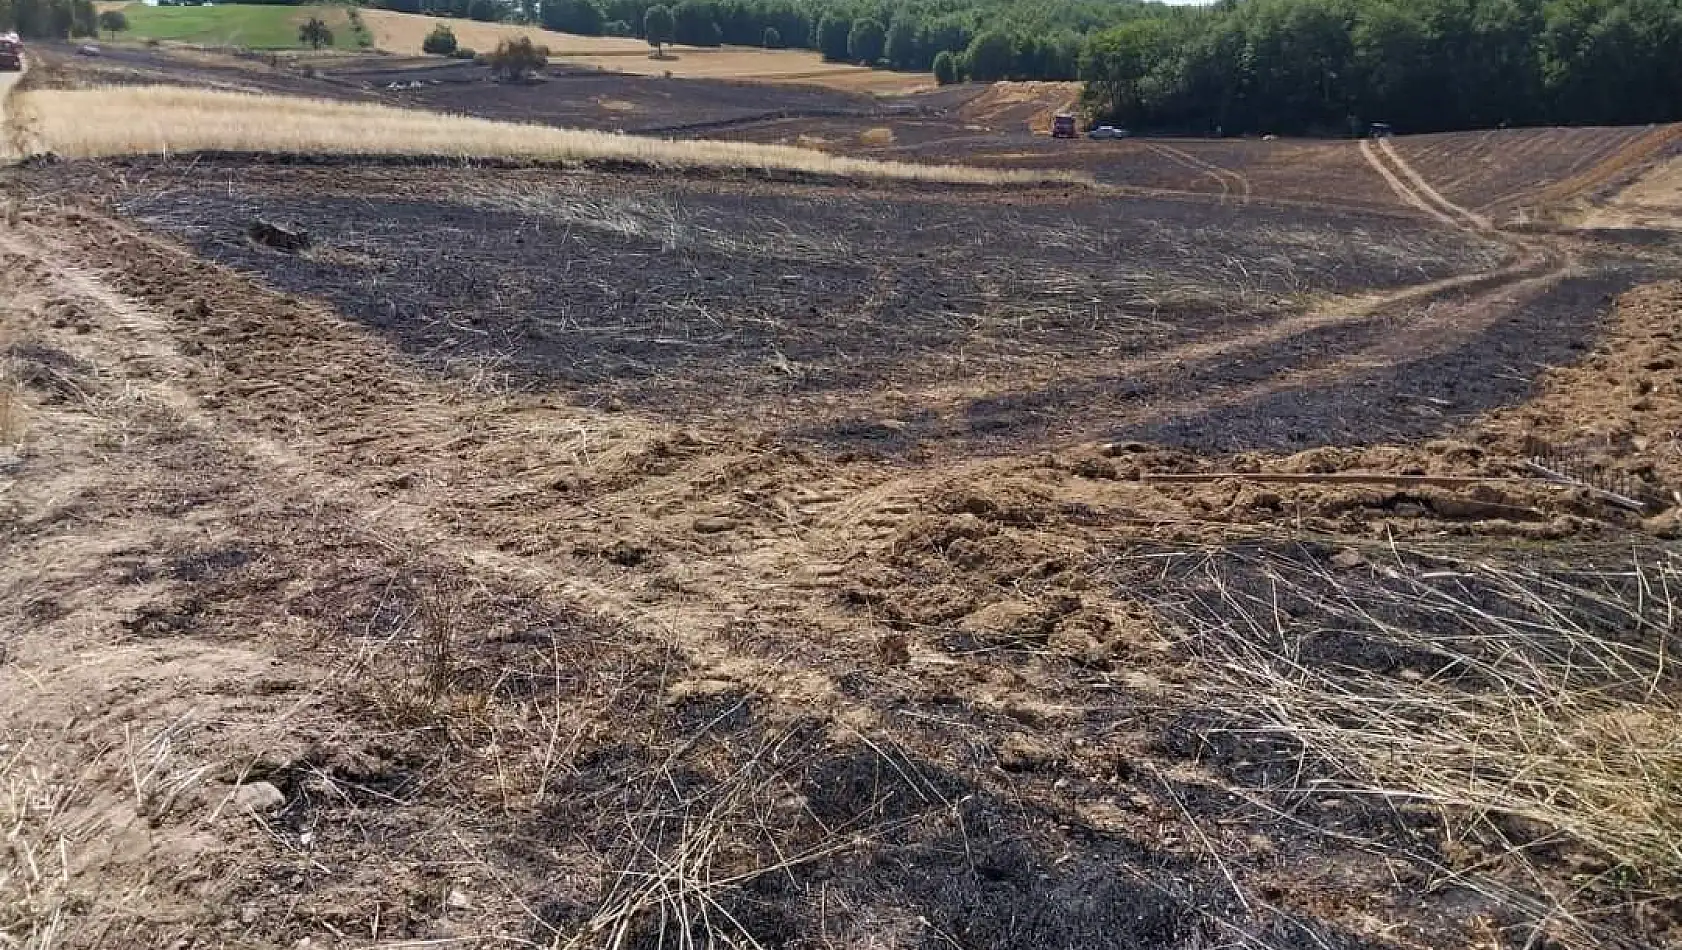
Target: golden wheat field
x: 403, y: 32
x: 163, y: 120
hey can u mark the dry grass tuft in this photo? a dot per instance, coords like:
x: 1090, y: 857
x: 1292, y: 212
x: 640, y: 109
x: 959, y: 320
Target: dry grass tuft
x: 13, y: 422
x: 1531, y: 703
x: 877, y: 136
x: 164, y: 120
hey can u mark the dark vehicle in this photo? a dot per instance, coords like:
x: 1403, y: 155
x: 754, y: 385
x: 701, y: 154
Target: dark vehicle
x: 1063, y: 126
x: 11, y: 53
x: 1379, y: 130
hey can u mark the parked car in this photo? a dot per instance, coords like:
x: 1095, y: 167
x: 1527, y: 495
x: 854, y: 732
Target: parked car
x: 87, y: 49
x: 1107, y: 132
x: 11, y: 53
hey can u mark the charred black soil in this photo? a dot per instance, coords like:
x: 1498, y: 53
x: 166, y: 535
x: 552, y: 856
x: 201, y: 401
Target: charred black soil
x: 838, y: 305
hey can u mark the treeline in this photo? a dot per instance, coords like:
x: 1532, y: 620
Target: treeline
x: 48, y: 19
x: 980, y: 39
x: 1331, y: 66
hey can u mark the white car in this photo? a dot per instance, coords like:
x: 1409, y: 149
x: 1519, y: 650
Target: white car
x: 1107, y: 132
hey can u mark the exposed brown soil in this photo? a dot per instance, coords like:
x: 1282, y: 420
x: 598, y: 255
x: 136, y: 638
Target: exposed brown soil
x: 604, y: 560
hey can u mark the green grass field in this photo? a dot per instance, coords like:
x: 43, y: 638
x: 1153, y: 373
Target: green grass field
x: 249, y: 26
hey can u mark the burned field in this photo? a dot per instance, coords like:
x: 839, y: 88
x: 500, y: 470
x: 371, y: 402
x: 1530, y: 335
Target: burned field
x: 569, y: 557
x: 849, y: 318
x: 591, y: 99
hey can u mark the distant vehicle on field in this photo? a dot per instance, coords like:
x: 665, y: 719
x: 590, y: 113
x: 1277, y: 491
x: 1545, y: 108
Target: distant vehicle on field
x: 87, y: 49
x: 1063, y: 126
x: 11, y: 53
x: 1107, y: 132
x: 1379, y: 130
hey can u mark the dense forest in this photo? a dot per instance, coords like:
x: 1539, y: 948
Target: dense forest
x: 1422, y: 65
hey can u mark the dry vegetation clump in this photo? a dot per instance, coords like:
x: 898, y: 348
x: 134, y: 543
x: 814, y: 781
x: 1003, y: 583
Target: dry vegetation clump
x: 162, y: 120
x: 1529, y: 702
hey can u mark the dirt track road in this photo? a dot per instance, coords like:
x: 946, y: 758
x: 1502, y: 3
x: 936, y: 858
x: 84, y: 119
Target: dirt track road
x: 7, y: 146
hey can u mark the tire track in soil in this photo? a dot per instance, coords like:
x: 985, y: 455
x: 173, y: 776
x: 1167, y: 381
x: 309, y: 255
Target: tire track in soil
x: 849, y: 512
x: 844, y: 516
x: 1181, y: 159
x: 1423, y: 189
x: 1403, y: 190
x: 1221, y: 172
x: 1455, y: 309
x: 16, y: 138
x: 146, y: 347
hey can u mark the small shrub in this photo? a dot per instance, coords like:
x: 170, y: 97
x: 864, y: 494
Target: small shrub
x: 440, y: 42
x: 315, y: 34
x: 464, y: 52
x: 945, y: 68
x: 517, y: 59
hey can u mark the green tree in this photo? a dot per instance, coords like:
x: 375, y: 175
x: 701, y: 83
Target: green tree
x: 440, y: 42
x: 901, y: 47
x: 865, y: 41
x: 581, y: 17
x: 658, y: 28
x: 945, y: 68
x: 315, y: 34
x: 991, y: 56
x: 695, y: 22
x: 771, y: 39
x: 84, y: 18
x: 113, y: 22
x: 1122, y: 70
x: 833, y: 33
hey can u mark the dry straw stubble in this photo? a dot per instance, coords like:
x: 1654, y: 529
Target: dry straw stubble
x: 165, y: 120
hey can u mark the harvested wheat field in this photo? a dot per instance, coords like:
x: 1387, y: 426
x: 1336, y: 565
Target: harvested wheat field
x: 698, y: 545
x: 165, y: 120
x: 403, y: 33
